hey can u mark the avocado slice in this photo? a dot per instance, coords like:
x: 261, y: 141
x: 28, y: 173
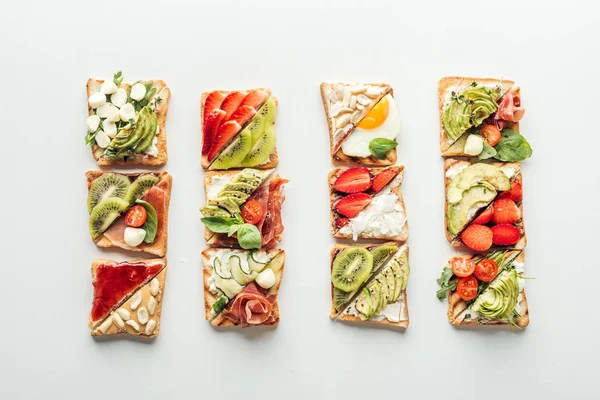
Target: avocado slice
x: 211, y: 211
x: 226, y: 203
x: 239, y: 197
x: 470, y: 108
x: 384, y: 291
x: 499, y: 299
x: 476, y: 174
x: 473, y: 199
x: 388, y: 274
x: 363, y: 302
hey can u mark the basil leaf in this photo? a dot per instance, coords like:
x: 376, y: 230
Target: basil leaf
x: 118, y: 78
x: 233, y: 229
x: 487, y: 152
x: 380, y: 146
x: 219, y: 305
x: 249, y: 237
x: 512, y: 146
x: 219, y: 224
x: 445, y: 284
x: 151, y: 224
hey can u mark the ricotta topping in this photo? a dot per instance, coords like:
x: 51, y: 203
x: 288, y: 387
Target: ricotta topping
x: 455, y: 169
x: 510, y: 169
x: 217, y: 183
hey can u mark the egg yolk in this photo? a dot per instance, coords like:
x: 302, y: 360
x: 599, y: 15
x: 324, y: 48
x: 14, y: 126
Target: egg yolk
x: 376, y: 116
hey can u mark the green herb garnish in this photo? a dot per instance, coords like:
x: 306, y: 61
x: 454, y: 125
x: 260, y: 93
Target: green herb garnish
x: 445, y: 284
x: 151, y: 224
x: 380, y: 146
x: 220, y: 304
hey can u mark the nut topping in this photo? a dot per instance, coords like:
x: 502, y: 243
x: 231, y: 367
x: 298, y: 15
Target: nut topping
x: 136, y: 300
x: 106, y: 324
x: 364, y: 100
x: 142, y: 315
x: 335, y: 109
x: 343, y: 120
x: 154, y: 286
x: 124, y: 314
x: 353, y: 102
x: 133, y: 324
x: 151, y: 305
x: 355, y: 117
x: 118, y: 321
x: 150, y: 327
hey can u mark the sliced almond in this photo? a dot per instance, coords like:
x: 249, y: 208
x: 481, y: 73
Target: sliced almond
x: 142, y: 315
x: 118, y: 321
x: 347, y: 110
x: 335, y: 109
x: 359, y: 89
x: 353, y: 102
x: 355, y: 117
x: 339, y: 132
x: 154, y: 286
x: 360, y: 106
x: 373, y: 91
x: 364, y: 100
x: 124, y: 314
x: 339, y: 90
x: 133, y: 324
x: 106, y: 324
x: 346, y: 100
x: 343, y: 120
x: 151, y: 305
x: 150, y: 327
x: 136, y: 300
x: 330, y: 95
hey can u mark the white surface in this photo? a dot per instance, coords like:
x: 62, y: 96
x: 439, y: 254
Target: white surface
x: 45, y: 348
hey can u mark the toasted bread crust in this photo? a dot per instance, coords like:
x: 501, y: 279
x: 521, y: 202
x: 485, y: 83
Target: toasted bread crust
x: 206, y: 165
x: 93, y: 86
x: 159, y: 246
x: 451, y: 81
x: 210, y: 298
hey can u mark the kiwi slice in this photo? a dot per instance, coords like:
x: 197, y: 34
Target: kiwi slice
x: 235, y: 153
x: 238, y: 197
x: 139, y: 187
x: 268, y: 112
x: 341, y: 298
x: 239, y: 187
x: 351, y: 268
x: 105, y: 213
x: 107, y: 185
x: 256, y: 127
x: 381, y: 254
x: 262, y: 149
x: 212, y: 211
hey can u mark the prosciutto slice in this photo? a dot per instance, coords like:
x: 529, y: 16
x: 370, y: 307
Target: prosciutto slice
x: 250, y: 307
x: 509, y: 108
x: 272, y: 226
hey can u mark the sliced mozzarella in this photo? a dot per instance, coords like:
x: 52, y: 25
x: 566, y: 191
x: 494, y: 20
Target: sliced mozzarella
x: 108, y: 87
x: 127, y: 112
x: 108, y: 111
x: 93, y: 121
x: 138, y: 91
x: 266, y: 279
x: 474, y: 145
x: 102, y: 140
x: 109, y: 128
x: 119, y: 97
x: 134, y: 236
x: 97, y: 99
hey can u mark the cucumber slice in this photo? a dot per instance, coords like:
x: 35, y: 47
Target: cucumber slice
x: 242, y: 275
x: 222, y: 269
x: 229, y: 287
x: 255, y: 261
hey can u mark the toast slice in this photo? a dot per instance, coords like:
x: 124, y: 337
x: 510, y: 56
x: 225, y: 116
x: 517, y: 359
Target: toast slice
x: 275, y: 260
x: 512, y: 170
x: 395, y: 219
x: 162, y: 107
x: 450, y: 84
x: 387, y: 315
x: 332, y: 96
x: 273, y: 159
x: 459, y: 312
x: 137, y: 297
x: 112, y: 237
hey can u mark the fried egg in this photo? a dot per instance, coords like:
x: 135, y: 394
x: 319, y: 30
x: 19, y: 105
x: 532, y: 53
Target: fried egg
x: 382, y: 121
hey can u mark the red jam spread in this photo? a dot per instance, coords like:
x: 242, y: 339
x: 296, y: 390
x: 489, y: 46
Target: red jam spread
x: 115, y: 281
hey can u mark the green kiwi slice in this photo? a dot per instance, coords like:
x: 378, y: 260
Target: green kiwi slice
x: 233, y: 154
x: 351, y: 268
x: 139, y: 187
x: 262, y: 149
x: 105, y: 213
x: 268, y: 112
x: 105, y: 186
x: 341, y: 299
x: 381, y: 254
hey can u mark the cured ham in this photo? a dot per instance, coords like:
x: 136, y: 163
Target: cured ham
x: 509, y: 108
x: 250, y: 307
x: 272, y: 226
x: 262, y: 196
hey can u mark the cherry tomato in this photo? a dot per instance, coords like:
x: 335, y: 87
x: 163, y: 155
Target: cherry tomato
x: 467, y: 288
x: 252, y: 212
x: 462, y: 267
x: 486, y: 270
x: 491, y: 134
x: 135, y: 216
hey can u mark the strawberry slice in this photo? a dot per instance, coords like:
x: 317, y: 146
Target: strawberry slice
x: 353, y: 180
x: 231, y: 103
x: 515, y: 193
x: 213, y: 102
x: 505, y: 212
x: 243, y: 114
x: 211, y: 125
x: 351, y: 205
x: 225, y: 133
x: 485, y: 216
x: 340, y: 222
x: 477, y: 237
x: 383, y: 178
x: 255, y: 98
x: 505, y: 234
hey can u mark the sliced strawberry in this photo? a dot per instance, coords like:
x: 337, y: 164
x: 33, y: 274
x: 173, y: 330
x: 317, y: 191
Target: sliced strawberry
x: 210, y: 128
x: 351, y: 205
x: 340, y: 222
x: 223, y: 136
x: 505, y: 234
x: 242, y: 115
x: 477, y: 237
x: 485, y: 216
x: 213, y: 102
x: 255, y: 98
x: 231, y: 103
x: 515, y: 193
x: 383, y: 178
x: 505, y: 212
x: 353, y: 180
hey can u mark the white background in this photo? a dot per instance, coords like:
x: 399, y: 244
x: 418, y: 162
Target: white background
x: 50, y: 48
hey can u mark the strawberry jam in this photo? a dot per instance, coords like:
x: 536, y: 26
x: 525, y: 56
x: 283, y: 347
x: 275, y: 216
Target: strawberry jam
x: 114, y: 282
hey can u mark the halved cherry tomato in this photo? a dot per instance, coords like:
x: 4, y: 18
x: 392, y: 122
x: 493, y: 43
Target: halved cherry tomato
x: 467, y: 288
x: 462, y: 267
x: 252, y: 212
x: 491, y: 134
x: 135, y: 216
x: 486, y: 270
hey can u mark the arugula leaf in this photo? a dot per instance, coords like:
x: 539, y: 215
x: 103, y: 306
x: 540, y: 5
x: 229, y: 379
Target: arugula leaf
x: 487, y: 152
x: 151, y: 224
x: 512, y: 146
x: 90, y: 137
x: 380, y: 146
x: 445, y: 284
x: 219, y: 305
x: 118, y: 78
x: 219, y: 224
x: 249, y: 237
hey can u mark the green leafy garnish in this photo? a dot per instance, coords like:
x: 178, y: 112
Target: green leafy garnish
x: 220, y: 304
x: 512, y: 147
x: 445, y: 284
x: 249, y: 237
x: 220, y: 224
x: 151, y: 224
x: 487, y: 152
x: 118, y: 78
x: 380, y: 146
x: 90, y: 137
